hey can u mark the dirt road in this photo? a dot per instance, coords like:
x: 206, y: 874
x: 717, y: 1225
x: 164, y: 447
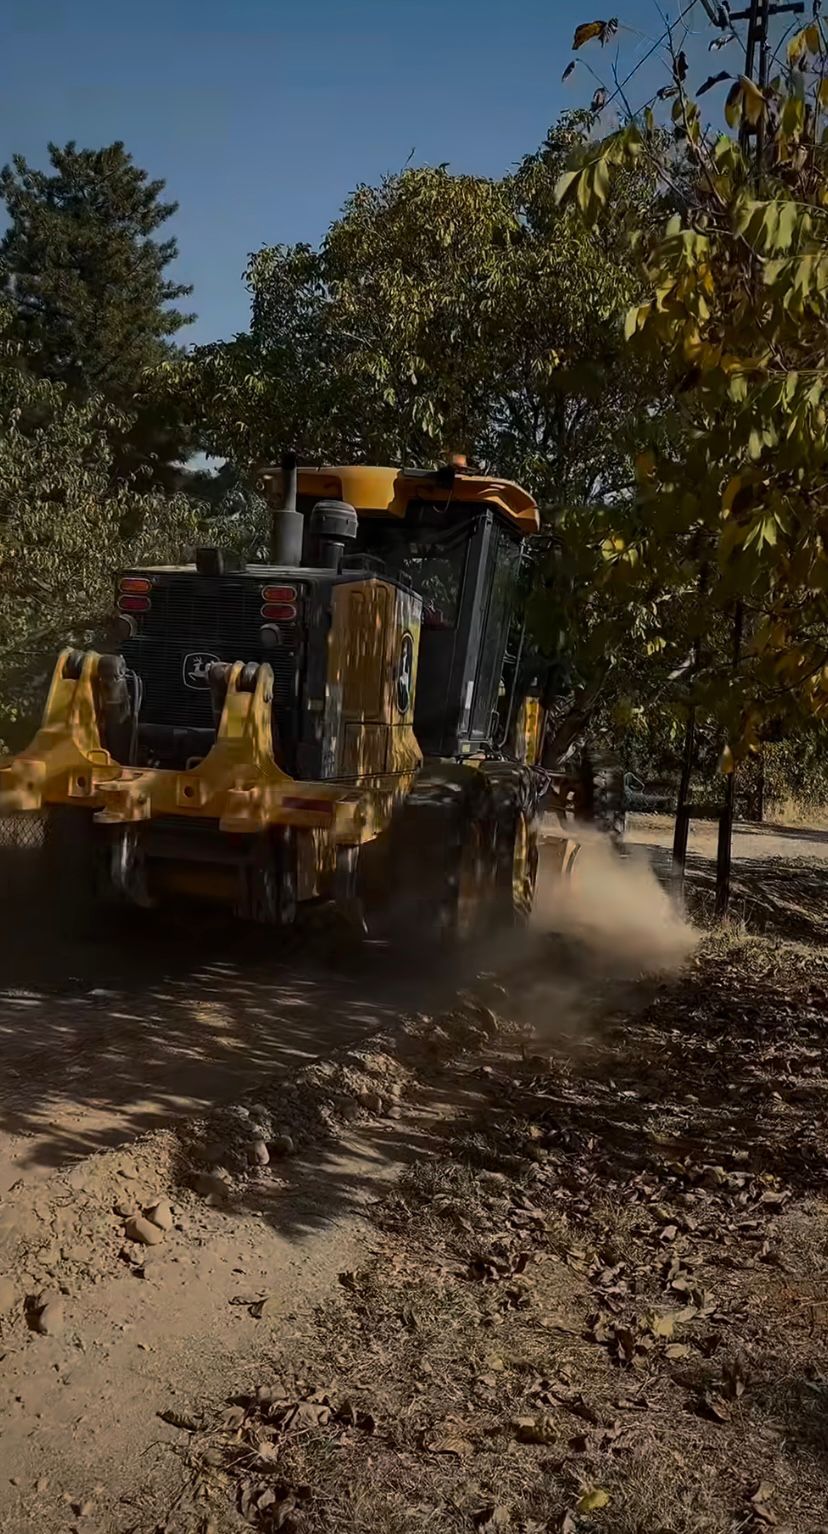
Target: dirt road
x: 137, y: 1028
x: 105, y: 1038
x: 108, y: 1049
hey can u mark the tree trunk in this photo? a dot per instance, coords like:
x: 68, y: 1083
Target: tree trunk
x: 682, y: 825
x: 574, y: 723
x: 760, y: 789
x: 723, y: 855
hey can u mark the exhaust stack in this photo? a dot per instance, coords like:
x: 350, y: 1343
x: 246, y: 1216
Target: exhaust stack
x: 287, y: 525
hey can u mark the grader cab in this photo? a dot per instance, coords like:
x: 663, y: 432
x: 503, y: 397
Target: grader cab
x: 348, y: 722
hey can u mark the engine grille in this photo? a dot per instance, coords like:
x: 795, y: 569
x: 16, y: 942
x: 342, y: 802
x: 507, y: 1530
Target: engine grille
x: 194, y: 620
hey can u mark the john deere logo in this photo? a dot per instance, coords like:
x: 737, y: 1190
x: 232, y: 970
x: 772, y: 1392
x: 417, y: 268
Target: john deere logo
x: 196, y: 669
x: 405, y: 673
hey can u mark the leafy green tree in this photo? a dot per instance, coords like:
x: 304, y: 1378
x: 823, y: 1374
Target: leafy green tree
x: 451, y: 312
x: 441, y: 312
x: 65, y: 528
x: 86, y: 281
x: 731, y: 510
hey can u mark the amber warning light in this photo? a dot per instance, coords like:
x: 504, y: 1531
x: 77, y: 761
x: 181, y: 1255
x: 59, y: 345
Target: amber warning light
x: 279, y: 593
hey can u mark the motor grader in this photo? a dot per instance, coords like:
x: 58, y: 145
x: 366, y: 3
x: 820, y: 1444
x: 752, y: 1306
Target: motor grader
x: 350, y: 722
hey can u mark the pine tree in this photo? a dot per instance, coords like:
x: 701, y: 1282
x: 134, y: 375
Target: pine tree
x: 86, y: 280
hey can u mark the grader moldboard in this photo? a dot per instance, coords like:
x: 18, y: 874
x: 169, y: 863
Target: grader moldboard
x: 351, y: 722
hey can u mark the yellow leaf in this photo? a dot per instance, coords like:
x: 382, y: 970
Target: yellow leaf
x: 645, y: 464
x: 737, y: 388
x: 823, y: 92
x: 732, y: 489
x: 592, y: 1500
x: 733, y: 105
x: 586, y: 32
x: 793, y: 116
x: 601, y: 180
x: 753, y: 100
x: 727, y: 762
x: 636, y: 319
x: 796, y: 47
x: 813, y: 41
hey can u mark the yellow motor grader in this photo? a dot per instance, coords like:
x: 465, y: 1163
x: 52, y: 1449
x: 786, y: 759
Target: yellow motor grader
x: 350, y: 722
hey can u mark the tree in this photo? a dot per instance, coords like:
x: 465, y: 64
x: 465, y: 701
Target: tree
x: 441, y: 312
x: 733, y: 506
x: 86, y: 282
x: 451, y: 312
x: 65, y: 528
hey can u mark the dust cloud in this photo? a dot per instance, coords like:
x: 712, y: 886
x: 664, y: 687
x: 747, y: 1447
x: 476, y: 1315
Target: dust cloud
x: 614, y: 907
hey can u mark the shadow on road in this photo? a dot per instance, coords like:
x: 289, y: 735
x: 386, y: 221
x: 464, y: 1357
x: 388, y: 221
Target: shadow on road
x: 144, y: 1023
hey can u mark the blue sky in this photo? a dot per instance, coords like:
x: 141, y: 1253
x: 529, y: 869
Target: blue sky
x: 262, y: 115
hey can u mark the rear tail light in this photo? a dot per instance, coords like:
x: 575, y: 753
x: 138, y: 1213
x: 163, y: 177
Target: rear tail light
x: 281, y: 612
x: 279, y: 593
x: 130, y: 604
x: 136, y: 585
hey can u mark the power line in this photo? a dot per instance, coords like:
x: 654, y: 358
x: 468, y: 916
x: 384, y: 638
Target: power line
x: 665, y: 37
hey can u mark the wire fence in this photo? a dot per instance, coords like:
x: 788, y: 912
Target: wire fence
x: 21, y: 833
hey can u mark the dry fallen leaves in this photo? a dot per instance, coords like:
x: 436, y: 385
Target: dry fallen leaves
x: 762, y: 1512
x: 535, y: 1430
x: 677, y: 1350
x: 713, y: 1407
x: 460, y: 1448
x: 494, y: 1517
x: 733, y: 1375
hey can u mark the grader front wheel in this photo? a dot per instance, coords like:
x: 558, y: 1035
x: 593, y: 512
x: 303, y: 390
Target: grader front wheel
x: 517, y: 870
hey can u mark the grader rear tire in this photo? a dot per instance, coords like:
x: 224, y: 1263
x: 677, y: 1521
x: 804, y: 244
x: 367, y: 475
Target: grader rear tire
x: 442, y: 863
x: 69, y: 872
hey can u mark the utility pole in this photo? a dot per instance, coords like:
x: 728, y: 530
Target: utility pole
x: 757, y: 17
